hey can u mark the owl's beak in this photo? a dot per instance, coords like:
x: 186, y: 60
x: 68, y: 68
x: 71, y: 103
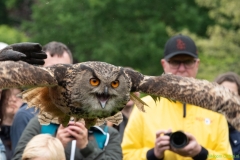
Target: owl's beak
x: 106, y: 91
x: 103, y: 104
x: 103, y: 98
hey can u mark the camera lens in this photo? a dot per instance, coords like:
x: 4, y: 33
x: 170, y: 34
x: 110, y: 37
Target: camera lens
x: 178, y: 139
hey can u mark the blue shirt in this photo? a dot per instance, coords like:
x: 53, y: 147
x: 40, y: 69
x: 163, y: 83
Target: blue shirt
x: 20, y: 121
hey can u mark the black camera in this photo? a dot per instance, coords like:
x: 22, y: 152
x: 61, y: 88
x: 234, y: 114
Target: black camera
x: 178, y: 139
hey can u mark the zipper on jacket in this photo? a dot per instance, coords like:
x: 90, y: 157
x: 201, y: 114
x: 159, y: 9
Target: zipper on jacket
x: 184, y: 110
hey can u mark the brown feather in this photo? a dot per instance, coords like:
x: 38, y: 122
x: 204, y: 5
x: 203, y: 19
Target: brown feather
x: 21, y: 74
x: 197, y: 92
x: 64, y: 90
x: 40, y: 99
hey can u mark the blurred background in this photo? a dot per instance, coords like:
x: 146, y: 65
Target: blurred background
x: 129, y: 32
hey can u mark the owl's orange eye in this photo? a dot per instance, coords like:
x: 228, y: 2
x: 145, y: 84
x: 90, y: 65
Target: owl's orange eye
x: 115, y: 84
x: 94, y: 81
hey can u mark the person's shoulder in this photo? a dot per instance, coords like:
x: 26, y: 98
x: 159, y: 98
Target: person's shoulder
x: 104, y: 128
x: 147, y: 98
x: 153, y: 103
x: 34, y: 121
x: 154, y: 99
x: 26, y: 111
x: 209, y: 113
x: 23, y: 107
x: 112, y: 130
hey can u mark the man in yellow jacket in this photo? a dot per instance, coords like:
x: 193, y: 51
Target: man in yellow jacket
x: 207, y: 131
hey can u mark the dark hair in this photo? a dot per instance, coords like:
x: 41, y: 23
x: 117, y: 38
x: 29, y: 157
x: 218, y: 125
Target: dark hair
x: 230, y: 77
x: 4, y: 98
x: 57, y: 48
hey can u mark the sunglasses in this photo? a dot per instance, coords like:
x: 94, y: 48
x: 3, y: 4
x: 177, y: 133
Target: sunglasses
x: 188, y: 64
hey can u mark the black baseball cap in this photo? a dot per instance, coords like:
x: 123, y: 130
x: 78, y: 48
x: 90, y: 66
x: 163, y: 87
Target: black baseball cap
x: 180, y: 44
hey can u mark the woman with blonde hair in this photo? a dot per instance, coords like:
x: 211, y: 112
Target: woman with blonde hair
x: 44, y: 147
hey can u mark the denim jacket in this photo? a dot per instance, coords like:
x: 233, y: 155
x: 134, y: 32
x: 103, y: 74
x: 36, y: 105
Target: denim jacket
x: 234, y: 138
x: 2, y: 151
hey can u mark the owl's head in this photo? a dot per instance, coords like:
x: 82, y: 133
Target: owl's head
x: 99, y: 89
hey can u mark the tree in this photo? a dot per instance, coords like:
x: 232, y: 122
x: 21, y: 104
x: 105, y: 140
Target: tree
x: 10, y: 35
x: 221, y: 50
x: 3, y: 13
x: 127, y: 33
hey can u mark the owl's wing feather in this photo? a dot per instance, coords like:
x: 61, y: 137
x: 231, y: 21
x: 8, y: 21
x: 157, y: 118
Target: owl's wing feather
x: 24, y: 75
x: 138, y: 102
x: 201, y: 93
x: 115, y: 119
x: 48, y: 111
x: 155, y: 98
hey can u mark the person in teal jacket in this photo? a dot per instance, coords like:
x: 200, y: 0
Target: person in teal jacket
x: 86, y: 146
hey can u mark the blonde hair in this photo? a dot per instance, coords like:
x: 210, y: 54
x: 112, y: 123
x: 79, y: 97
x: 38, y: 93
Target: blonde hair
x: 44, y: 146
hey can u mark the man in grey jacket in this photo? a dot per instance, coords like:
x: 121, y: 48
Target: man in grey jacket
x: 87, y: 147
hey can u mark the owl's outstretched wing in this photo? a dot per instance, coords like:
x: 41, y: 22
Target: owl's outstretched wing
x: 201, y: 93
x: 23, y: 75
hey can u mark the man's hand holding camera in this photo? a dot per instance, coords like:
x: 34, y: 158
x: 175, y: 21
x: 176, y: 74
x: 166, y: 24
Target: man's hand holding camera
x: 165, y: 140
x: 191, y: 149
x: 162, y: 143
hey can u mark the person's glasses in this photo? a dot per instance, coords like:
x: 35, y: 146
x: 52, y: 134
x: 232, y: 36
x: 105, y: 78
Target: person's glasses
x: 188, y: 64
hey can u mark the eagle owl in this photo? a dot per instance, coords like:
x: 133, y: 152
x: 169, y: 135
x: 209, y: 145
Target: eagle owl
x: 97, y: 90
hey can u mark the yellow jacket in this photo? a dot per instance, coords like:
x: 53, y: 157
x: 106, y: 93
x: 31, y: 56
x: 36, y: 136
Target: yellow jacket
x: 209, y: 128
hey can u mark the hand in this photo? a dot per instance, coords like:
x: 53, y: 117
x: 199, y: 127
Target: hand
x: 79, y: 132
x: 63, y: 135
x: 29, y: 52
x: 191, y: 150
x: 162, y: 143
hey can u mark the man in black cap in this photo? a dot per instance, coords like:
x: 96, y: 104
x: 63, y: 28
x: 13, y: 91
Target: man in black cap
x: 206, y: 131
x: 181, y: 57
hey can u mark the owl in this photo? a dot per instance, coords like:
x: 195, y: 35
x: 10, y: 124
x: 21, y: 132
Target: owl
x: 96, y: 91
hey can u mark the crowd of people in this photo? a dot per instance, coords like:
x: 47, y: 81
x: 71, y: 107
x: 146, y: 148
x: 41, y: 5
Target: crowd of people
x: 141, y: 135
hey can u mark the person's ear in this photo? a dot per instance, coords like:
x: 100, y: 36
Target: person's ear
x: 163, y: 63
x: 197, y: 63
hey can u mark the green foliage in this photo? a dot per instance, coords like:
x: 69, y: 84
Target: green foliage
x: 130, y: 33
x: 3, y: 13
x: 221, y: 49
x: 121, y: 32
x: 10, y: 35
